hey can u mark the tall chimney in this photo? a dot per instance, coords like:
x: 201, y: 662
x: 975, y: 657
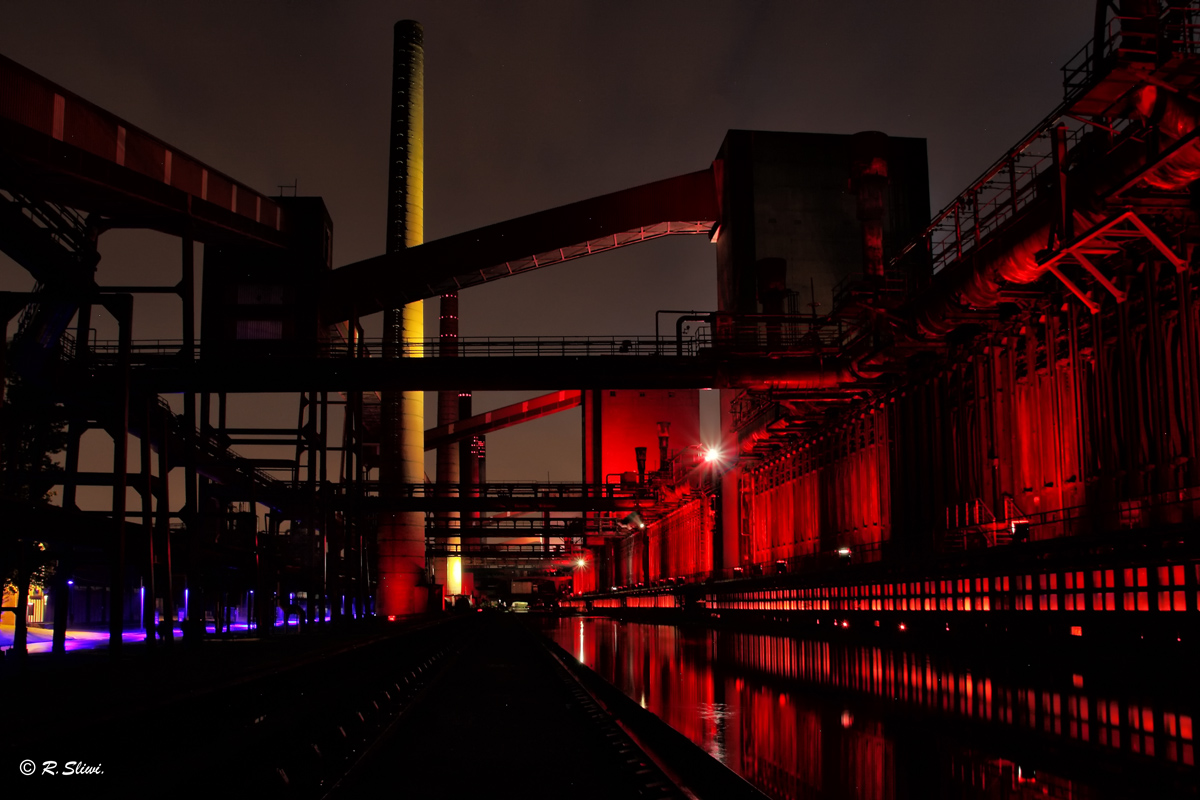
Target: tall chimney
x: 448, y: 569
x: 401, y: 536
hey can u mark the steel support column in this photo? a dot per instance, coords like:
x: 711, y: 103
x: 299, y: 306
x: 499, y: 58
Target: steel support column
x: 121, y: 307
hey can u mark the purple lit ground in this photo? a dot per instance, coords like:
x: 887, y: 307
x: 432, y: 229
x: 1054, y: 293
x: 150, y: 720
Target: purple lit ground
x: 39, y: 640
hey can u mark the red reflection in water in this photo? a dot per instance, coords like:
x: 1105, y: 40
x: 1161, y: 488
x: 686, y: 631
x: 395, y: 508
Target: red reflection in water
x: 724, y: 690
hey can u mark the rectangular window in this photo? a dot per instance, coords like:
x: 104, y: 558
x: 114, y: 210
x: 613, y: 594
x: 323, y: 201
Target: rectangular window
x: 259, y: 329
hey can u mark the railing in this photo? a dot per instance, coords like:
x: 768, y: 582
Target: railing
x: 147, y: 350
x: 1129, y: 514
x: 1020, y: 176
x: 214, y: 448
x: 524, y: 526
x: 66, y: 226
x: 1179, y: 33
x: 1079, y: 72
x: 527, y: 550
x: 503, y: 491
x: 748, y: 407
x: 973, y: 512
x: 892, y: 282
x: 1182, y: 28
x: 798, y: 334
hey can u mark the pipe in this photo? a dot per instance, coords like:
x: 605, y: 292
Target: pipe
x: 1175, y: 120
x: 771, y: 285
x: 869, y: 179
x: 1012, y: 258
x: 401, y: 536
x: 787, y: 374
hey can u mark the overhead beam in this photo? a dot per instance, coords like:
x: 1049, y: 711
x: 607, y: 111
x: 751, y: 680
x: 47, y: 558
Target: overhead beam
x: 500, y: 418
x: 282, y: 374
x: 686, y: 204
x: 58, y: 146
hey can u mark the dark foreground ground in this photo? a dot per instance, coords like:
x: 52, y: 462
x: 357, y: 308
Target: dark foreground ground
x: 475, y: 706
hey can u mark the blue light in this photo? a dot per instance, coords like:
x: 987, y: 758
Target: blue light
x: 70, y: 583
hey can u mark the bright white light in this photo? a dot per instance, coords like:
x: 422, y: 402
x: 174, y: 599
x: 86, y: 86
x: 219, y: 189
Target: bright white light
x: 712, y: 454
x: 581, y: 563
x: 454, y: 575
x: 843, y: 551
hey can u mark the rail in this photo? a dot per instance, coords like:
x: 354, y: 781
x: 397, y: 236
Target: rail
x: 1179, y: 34
x: 539, y: 551
x: 503, y: 491
x: 798, y: 334
x: 1022, y: 175
x: 214, y: 449
x: 523, y: 526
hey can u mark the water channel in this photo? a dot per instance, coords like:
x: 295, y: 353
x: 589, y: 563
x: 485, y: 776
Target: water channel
x: 836, y: 718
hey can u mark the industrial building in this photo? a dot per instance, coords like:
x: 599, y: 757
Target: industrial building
x: 970, y: 428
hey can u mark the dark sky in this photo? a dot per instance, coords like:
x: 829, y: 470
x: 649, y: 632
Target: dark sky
x: 531, y: 105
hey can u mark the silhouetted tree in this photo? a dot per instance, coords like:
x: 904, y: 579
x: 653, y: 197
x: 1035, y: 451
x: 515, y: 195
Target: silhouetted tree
x: 33, y: 429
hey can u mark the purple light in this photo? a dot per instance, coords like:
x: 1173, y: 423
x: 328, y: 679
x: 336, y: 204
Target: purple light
x: 70, y: 583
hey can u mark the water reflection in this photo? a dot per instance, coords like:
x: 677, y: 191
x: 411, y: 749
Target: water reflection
x: 815, y: 719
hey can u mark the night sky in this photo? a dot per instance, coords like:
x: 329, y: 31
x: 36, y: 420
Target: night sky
x: 529, y: 106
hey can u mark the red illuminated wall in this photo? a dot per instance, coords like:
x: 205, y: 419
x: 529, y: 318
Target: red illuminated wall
x: 1069, y: 420
x: 584, y: 579
x: 831, y: 493
x: 678, y: 544
x: 631, y: 567
x: 629, y: 419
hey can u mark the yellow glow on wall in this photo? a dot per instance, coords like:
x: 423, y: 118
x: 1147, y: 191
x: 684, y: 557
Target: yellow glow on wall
x: 453, y: 575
